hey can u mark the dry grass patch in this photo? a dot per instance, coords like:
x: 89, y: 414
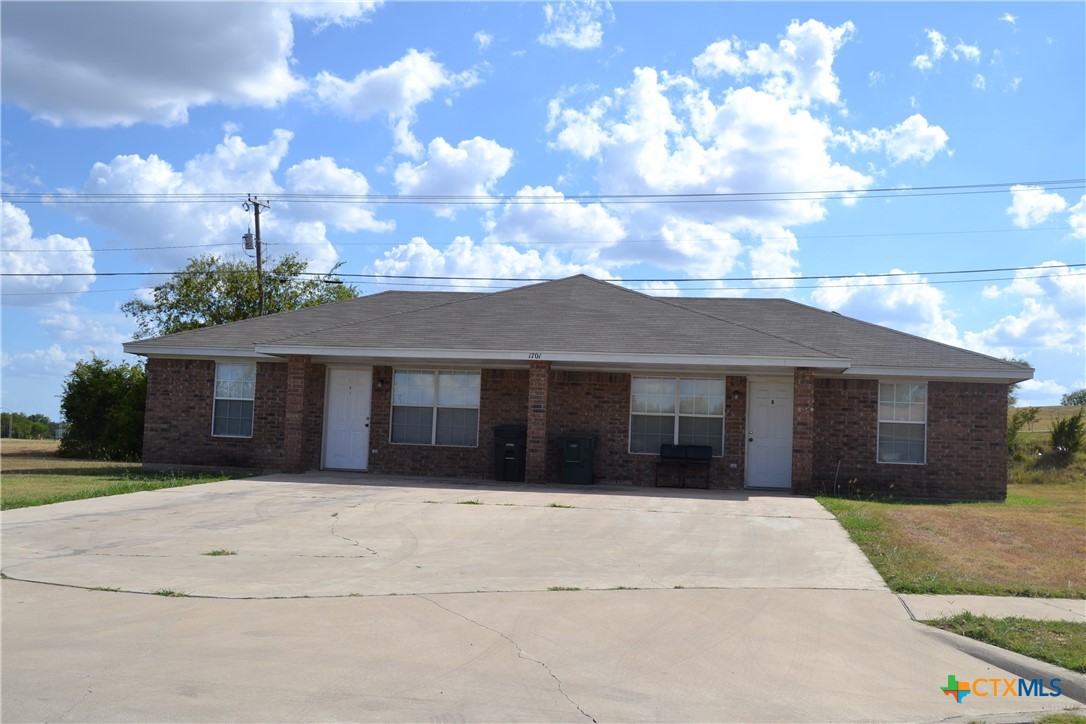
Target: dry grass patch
x: 1031, y: 545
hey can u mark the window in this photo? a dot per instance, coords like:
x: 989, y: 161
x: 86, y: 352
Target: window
x: 683, y: 411
x: 235, y: 387
x: 903, y: 422
x: 435, y: 408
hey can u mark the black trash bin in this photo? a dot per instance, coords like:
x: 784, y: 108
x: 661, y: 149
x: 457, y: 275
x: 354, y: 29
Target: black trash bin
x: 510, y: 443
x: 578, y: 452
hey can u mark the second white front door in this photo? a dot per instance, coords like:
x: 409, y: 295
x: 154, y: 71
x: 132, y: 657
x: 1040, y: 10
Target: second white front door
x: 347, y: 419
x: 769, y: 435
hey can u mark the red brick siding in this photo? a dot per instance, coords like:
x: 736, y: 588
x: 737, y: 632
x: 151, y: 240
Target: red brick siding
x: 503, y: 399
x: 599, y: 402
x: 803, y: 396
x: 966, y: 442
x: 177, y: 427
x: 538, y: 402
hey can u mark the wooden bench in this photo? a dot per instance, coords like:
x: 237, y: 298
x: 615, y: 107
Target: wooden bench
x: 684, y: 457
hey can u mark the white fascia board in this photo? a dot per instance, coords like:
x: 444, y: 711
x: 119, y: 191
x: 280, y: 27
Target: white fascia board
x: 195, y: 352
x: 609, y: 358
x: 936, y: 373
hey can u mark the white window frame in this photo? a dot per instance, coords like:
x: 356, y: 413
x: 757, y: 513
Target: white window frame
x: 677, y: 414
x: 216, y: 397
x: 881, y: 421
x: 435, y: 406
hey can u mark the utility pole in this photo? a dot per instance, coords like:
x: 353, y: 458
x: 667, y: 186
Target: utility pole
x: 257, y: 205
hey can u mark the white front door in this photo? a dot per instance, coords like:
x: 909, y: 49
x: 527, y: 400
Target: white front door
x: 769, y: 435
x: 347, y: 419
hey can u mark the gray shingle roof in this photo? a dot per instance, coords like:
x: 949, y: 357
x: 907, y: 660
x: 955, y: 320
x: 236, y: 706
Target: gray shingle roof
x: 580, y: 315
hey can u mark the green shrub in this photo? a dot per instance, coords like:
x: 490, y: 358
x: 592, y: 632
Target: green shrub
x: 1020, y: 418
x: 103, y: 406
x: 1067, y: 435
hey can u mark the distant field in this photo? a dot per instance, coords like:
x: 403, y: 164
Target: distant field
x: 32, y: 474
x: 1037, y: 433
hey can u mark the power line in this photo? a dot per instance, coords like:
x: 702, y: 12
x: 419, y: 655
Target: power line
x: 548, y: 242
x: 494, y: 288
x: 516, y: 199
x: 675, y: 280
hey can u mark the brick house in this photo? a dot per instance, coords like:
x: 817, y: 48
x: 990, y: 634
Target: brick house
x: 788, y: 396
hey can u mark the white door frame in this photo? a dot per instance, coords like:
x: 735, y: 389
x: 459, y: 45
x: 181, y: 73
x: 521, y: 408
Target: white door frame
x: 751, y: 381
x: 364, y: 425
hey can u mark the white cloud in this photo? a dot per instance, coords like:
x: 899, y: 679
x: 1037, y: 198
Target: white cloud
x: 914, y: 139
x: 1076, y: 217
x: 1032, y: 205
x: 464, y: 258
x: 576, y: 24
x: 875, y: 78
x: 107, y: 64
x: 926, y: 61
x: 979, y: 83
x: 175, y: 232
x: 395, y: 90
x: 26, y: 254
x: 1010, y: 19
x: 483, y: 39
x: 1052, y: 315
x: 543, y: 216
x: 344, y: 13
x: 939, y: 47
x: 323, y: 176
x: 799, y: 69
x: 968, y: 52
x: 85, y: 331
x: 471, y: 168
x: 1013, y: 85
x: 907, y: 303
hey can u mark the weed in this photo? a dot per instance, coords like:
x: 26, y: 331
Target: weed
x: 679, y: 586
x: 170, y: 592
x: 106, y: 588
x: 472, y: 501
x: 220, y: 552
x: 559, y: 505
x: 430, y: 501
x: 624, y: 588
x: 563, y: 588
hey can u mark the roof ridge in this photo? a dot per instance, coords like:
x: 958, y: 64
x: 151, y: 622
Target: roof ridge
x: 755, y: 329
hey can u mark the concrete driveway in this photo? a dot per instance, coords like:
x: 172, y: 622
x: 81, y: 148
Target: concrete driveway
x: 748, y: 607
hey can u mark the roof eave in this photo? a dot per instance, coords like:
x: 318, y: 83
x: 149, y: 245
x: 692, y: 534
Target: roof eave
x: 612, y: 358
x: 944, y: 373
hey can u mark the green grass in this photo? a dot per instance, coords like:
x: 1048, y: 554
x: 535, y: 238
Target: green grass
x: 1031, y: 545
x: 170, y: 593
x: 1063, y: 717
x: 1058, y: 642
x: 33, y: 475
x: 563, y: 588
x: 559, y: 505
x: 220, y: 552
x: 473, y: 501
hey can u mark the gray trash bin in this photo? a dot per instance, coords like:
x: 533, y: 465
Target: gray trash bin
x: 578, y: 453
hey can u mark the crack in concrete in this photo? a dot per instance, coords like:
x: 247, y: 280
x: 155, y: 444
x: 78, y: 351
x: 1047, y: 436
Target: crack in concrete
x: 521, y: 653
x: 83, y: 698
x: 352, y: 541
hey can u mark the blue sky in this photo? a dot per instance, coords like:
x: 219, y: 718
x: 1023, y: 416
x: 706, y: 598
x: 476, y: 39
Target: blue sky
x: 531, y: 108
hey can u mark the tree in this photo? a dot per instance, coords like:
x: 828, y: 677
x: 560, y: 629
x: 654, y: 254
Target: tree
x: 1074, y: 399
x: 210, y: 291
x: 103, y: 405
x: 26, y: 427
x: 1012, y: 390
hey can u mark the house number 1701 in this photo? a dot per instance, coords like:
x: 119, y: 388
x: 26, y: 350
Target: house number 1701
x: 535, y: 355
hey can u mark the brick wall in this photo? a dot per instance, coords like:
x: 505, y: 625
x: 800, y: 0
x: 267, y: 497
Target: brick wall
x: 177, y: 427
x: 503, y: 400
x: 966, y: 442
x: 595, y: 402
